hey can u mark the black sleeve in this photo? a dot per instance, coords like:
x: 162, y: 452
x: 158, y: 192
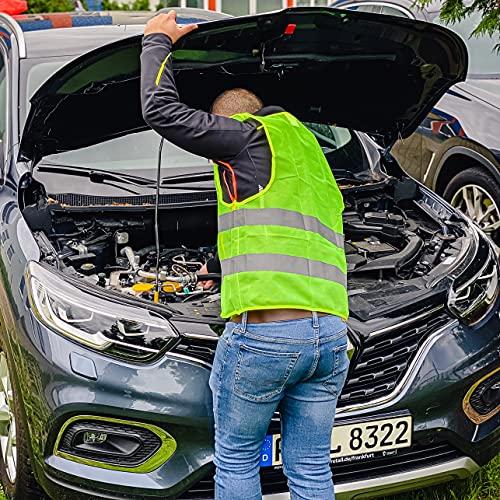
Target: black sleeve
x: 213, y: 265
x: 204, y: 134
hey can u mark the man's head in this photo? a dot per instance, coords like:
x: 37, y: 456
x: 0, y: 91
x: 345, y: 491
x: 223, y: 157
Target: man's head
x: 234, y: 101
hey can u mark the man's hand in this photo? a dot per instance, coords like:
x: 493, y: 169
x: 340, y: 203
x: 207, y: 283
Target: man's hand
x: 205, y: 284
x: 167, y: 24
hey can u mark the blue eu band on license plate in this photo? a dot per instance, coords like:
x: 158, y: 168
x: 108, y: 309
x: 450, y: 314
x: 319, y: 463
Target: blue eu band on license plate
x: 362, y: 438
x: 266, y: 456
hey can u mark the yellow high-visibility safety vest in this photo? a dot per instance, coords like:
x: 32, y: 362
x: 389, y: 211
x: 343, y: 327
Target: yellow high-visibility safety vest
x: 284, y: 246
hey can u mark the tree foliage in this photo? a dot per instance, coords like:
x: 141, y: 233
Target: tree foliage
x: 453, y: 11
x: 39, y: 6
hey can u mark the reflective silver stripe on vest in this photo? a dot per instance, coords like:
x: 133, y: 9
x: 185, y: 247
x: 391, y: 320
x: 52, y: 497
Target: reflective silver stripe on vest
x: 278, y: 217
x: 284, y: 264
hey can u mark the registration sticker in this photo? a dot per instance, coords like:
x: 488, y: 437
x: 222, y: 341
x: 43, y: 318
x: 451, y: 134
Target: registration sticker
x: 367, y: 437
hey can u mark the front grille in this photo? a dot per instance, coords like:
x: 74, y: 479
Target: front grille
x: 384, y: 358
x: 379, y: 366
x: 415, y: 457
x: 83, y: 200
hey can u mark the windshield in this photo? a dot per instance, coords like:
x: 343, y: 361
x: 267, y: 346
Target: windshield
x: 484, y: 58
x: 133, y: 152
x: 137, y: 153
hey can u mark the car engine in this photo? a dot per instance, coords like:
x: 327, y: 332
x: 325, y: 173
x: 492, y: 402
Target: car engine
x: 101, y: 253
x: 392, y: 243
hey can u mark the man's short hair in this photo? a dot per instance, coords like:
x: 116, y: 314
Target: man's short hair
x: 234, y: 101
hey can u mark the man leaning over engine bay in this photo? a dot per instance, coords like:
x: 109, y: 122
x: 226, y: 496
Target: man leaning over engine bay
x: 280, y: 245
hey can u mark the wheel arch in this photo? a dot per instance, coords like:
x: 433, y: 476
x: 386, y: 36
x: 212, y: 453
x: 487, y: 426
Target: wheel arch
x: 455, y: 159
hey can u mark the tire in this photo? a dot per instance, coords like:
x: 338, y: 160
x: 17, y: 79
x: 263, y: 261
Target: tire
x: 485, y: 196
x: 24, y: 485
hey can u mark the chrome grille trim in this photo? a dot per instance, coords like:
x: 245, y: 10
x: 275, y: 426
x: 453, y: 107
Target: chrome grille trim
x: 399, y: 391
x: 407, y: 322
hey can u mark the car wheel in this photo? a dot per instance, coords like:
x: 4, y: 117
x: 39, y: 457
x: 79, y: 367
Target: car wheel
x: 16, y: 475
x: 477, y: 194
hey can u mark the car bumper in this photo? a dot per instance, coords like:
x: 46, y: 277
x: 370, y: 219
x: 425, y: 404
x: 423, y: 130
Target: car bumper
x: 460, y: 468
x: 173, y: 394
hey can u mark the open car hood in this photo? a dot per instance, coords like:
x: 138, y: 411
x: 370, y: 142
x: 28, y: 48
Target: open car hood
x: 373, y: 73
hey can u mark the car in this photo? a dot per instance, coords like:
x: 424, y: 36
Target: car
x: 104, y: 384
x: 456, y: 149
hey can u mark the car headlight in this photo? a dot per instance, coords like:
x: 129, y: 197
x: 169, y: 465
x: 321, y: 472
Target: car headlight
x: 474, y: 293
x: 105, y: 324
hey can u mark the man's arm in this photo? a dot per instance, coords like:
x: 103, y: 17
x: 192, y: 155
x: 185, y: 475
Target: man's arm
x: 204, y: 134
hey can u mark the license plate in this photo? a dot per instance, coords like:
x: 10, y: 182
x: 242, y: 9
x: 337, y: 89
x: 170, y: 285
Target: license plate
x: 348, y: 440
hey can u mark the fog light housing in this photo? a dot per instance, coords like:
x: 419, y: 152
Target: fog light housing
x: 482, y: 401
x: 114, y: 444
x: 90, y: 437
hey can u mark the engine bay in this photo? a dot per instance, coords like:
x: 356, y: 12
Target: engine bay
x: 392, y: 242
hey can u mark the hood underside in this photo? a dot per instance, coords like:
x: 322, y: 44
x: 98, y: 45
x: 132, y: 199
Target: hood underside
x: 373, y: 73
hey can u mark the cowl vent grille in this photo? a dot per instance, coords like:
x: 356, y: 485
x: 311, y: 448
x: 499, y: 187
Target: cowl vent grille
x: 81, y: 200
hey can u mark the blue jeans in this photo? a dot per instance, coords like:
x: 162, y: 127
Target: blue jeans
x: 297, y: 367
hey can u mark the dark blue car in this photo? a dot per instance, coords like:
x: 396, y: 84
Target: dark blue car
x: 456, y: 149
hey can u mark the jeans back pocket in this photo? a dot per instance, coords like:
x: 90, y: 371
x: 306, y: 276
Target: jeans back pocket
x: 260, y: 375
x: 335, y: 383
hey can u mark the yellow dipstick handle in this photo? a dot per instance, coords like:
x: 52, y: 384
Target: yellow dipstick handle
x: 142, y: 287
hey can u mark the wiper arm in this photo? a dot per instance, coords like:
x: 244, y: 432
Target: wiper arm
x: 104, y: 177
x: 96, y: 175
x: 187, y: 178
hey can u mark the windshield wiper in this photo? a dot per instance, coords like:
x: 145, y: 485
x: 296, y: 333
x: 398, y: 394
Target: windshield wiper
x: 109, y: 178
x: 96, y: 175
x: 180, y: 181
x: 182, y: 178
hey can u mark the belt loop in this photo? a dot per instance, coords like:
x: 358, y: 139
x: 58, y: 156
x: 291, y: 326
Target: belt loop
x: 315, y: 319
x: 244, y: 319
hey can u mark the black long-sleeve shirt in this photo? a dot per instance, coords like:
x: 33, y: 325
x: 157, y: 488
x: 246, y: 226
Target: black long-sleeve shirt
x: 215, y: 137
x: 205, y: 134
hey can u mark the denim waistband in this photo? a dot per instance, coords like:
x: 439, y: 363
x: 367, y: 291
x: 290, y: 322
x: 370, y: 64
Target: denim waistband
x: 314, y: 317
x: 294, y: 330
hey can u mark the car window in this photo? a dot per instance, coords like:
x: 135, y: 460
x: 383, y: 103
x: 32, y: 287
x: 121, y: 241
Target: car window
x: 135, y: 152
x: 268, y: 5
x: 391, y: 11
x: 372, y: 8
x: 38, y: 75
x: 235, y: 8
x: 379, y: 8
x: 341, y: 148
x: 132, y: 152
x: 138, y: 152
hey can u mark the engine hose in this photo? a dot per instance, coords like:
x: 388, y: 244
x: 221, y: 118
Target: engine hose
x: 144, y: 251
x: 129, y: 253
x: 209, y: 276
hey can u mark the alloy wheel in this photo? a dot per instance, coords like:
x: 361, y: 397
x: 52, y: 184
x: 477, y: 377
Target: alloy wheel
x: 475, y: 202
x: 8, y: 446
